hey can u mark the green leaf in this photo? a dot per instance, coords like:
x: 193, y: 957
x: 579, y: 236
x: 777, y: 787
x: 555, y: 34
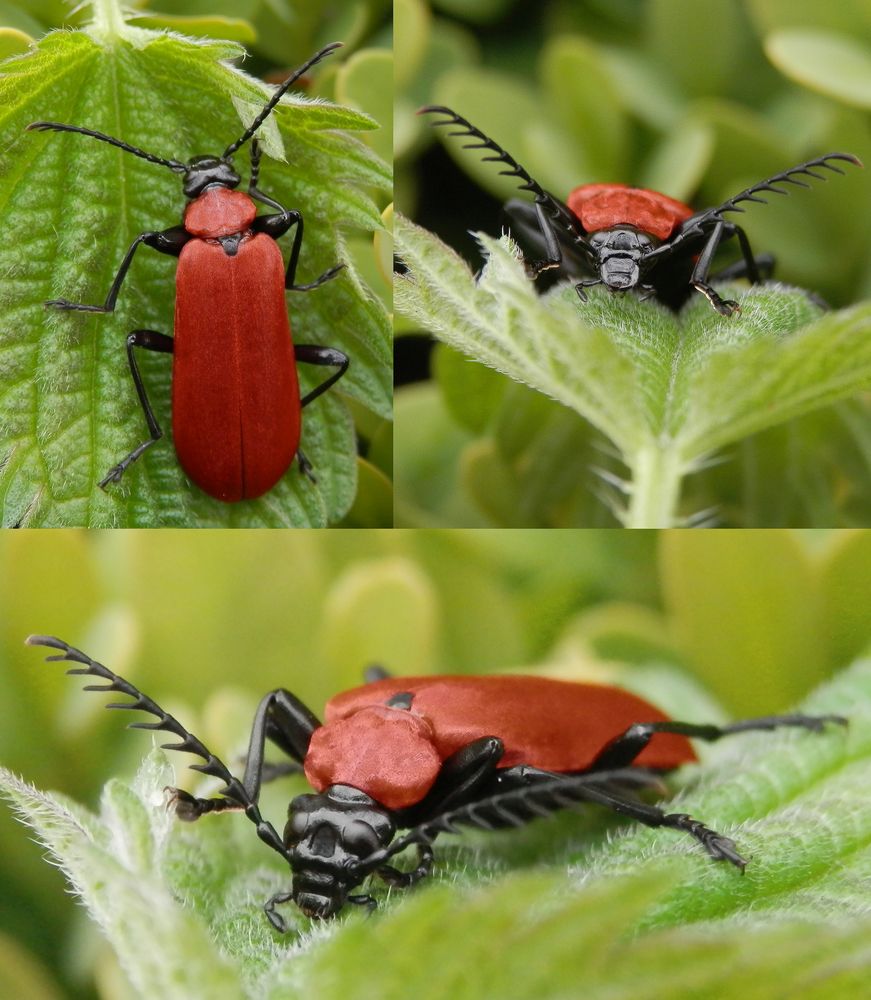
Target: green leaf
x: 579, y: 87
x: 233, y: 28
x: 412, y: 22
x: 113, y: 862
x: 755, y: 592
x: 668, y: 390
x: 835, y: 65
x: 365, y: 82
x: 67, y: 403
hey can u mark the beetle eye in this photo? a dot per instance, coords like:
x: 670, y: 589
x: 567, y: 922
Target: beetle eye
x: 359, y: 838
x: 296, y: 826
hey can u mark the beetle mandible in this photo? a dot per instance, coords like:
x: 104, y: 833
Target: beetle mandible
x: 236, y: 406
x: 629, y: 237
x: 430, y: 755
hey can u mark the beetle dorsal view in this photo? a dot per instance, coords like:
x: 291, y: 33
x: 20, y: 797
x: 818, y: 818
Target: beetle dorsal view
x: 431, y: 755
x: 236, y: 405
x: 632, y: 238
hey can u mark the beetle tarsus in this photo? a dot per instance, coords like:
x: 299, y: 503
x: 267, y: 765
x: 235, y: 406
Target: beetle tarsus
x: 117, y: 471
x: 404, y: 880
x: 719, y: 847
x: 725, y: 307
x: 305, y: 467
x: 275, y: 918
x: 189, y: 808
x: 67, y: 306
x: 323, y: 279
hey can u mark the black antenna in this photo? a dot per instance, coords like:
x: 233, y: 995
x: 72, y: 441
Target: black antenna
x: 276, y: 97
x: 467, y: 129
x: 173, y: 165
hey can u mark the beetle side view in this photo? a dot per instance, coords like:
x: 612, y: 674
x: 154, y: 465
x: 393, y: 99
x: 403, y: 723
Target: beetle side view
x: 624, y: 237
x: 430, y: 755
x: 236, y: 407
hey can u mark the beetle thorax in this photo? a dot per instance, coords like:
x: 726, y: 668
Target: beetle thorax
x: 329, y: 837
x: 619, y: 253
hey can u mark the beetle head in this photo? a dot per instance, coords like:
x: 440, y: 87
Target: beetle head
x: 329, y: 837
x: 206, y: 171
x: 619, y: 253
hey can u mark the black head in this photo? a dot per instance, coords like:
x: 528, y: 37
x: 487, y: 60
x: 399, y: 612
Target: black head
x: 209, y: 171
x: 202, y: 171
x: 619, y: 255
x: 329, y: 837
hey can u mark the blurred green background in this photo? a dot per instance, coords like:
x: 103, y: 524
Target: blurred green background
x: 697, y: 100
x: 740, y: 623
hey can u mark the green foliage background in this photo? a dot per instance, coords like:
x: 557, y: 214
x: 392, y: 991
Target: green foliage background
x: 67, y: 404
x: 698, y: 101
x: 709, y: 625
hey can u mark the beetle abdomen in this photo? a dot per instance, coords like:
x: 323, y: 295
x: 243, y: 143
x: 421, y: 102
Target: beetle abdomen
x: 555, y: 725
x: 235, y: 394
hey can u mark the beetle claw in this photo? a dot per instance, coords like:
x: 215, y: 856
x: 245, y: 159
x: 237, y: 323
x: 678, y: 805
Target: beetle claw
x: 112, y: 476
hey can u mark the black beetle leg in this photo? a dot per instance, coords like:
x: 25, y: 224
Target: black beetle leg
x: 168, y: 241
x: 362, y: 900
x: 147, y: 340
x: 623, y: 750
x: 404, y: 880
x: 277, y: 921
x: 725, y: 307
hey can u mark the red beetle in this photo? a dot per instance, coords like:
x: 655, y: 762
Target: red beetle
x: 432, y: 754
x: 236, y: 407
x: 629, y: 237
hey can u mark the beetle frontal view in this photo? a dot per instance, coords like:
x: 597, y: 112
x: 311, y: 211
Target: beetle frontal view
x: 632, y: 238
x: 431, y: 755
x: 236, y: 406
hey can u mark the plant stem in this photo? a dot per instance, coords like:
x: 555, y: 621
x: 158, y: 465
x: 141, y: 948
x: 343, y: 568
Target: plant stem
x: 108, y: 20
x: 657, y: 473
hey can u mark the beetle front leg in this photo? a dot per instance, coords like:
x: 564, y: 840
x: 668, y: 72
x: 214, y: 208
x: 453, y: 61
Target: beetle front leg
x: 168, y: 241
x: 254, y: 176
x: 148, y: 340
x: 553, y: 252
x: 699, y: 279
x: 282, y: 719
x: 277, y: 921
x: 404, y: 880
x: 276, y: 226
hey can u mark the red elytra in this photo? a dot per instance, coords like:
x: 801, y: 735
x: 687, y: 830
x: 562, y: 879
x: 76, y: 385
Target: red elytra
x: 236, y: 413
x: 603, y: 206
x: 395, y: 755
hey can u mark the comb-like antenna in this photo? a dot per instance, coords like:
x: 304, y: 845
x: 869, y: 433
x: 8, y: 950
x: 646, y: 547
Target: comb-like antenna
x: 466, y: 128
x: 173, y: 165
x: 276, y: 97
x: 693, y: 225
